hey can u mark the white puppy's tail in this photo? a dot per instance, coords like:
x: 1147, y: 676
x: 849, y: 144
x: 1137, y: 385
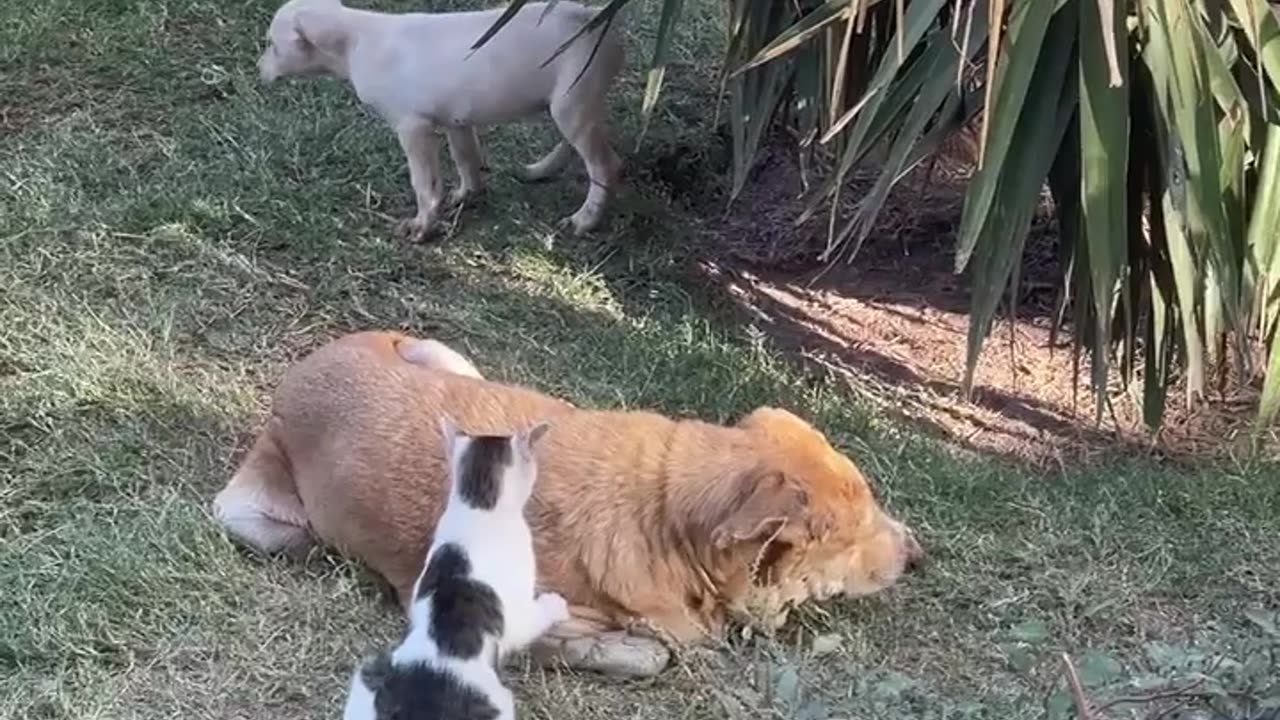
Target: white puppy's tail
x: 551, y: 164
x: 583, y: 14
x: 579, y: 12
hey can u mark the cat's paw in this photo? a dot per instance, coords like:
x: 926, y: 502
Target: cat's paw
x: 553, y: 606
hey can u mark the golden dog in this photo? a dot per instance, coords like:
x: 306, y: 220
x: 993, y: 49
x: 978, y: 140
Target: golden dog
x: 656, y: 531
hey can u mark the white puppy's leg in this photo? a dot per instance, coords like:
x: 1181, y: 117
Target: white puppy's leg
x: 422, y: 150
x: 464, y: 148
x: 584, y: 127
x: 475, y: 138
x: 551, y: 164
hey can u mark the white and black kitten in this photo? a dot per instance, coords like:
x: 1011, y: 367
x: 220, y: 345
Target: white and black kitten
x: 474, y: 601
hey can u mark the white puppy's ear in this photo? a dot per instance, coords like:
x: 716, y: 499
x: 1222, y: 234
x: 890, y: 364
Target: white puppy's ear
x: 322, y: 26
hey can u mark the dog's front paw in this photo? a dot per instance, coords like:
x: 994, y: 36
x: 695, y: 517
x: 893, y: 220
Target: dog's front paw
x: 616, y: 654
x: 414, y: 229
x: 554, y: 608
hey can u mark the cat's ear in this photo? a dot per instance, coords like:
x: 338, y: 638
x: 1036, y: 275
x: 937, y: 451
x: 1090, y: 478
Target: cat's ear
x: 450, y: 432
x: 527, y: 440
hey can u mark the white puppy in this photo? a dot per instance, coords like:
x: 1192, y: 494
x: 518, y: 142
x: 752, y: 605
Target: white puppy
x: 418, y: 71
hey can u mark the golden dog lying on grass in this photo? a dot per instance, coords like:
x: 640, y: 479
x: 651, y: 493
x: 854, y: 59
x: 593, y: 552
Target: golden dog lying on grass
x: 656, y: 531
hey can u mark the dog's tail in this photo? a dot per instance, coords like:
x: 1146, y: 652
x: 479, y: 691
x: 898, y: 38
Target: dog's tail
x: 583, y: 14
x: 436, y: 355
x: 609, y: 49
x: 579, y: 12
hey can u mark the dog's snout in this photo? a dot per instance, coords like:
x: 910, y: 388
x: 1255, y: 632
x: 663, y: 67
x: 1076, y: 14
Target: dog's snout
x: 913, y: 551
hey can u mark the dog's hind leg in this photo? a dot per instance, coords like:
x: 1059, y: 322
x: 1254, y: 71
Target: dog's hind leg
x: 464, y: 148
x: 585, y: 129
x: 551, y: 164
x: 580, y: 109
x: 484, y: 159
x: 436, y: 355
x: 260, y: 507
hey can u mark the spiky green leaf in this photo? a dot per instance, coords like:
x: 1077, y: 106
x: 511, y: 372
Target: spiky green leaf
x: 1026, y: 36
x: 1032, y: 147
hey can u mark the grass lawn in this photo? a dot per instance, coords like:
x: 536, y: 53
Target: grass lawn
x: 171, y: 235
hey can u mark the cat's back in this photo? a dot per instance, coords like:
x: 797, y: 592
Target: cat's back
x: 500, y: 553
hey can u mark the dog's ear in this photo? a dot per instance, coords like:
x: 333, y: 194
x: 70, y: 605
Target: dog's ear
x: 449, y: 429
x: 767, y: 505
x: 527, y: 440
x: 321, y: 27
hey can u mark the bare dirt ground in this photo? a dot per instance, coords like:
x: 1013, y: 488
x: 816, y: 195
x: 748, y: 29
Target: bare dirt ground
x: 896, y: 319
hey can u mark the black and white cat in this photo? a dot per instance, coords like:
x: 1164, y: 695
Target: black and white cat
x: 474, y: 602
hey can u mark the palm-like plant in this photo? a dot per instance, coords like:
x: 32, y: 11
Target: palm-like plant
x: 1154, y: 123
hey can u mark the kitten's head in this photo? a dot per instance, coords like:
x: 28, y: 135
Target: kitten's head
x: 491, y: 472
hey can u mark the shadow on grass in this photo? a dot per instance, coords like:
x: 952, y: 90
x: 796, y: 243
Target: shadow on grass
x: 646, y: 266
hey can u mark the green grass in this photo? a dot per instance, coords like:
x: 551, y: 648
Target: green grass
x: 171, y: 235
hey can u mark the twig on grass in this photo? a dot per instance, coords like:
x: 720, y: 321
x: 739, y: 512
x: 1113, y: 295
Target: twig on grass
x: 1077, y: 690
x: 1184, y: 693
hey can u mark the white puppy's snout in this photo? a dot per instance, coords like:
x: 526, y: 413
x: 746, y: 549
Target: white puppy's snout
x: 266, y: 73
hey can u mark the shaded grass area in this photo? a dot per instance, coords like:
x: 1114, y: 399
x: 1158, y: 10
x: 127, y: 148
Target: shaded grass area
x: 171, y: 235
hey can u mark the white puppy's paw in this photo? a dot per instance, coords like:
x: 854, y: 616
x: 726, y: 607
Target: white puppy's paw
x: 581, y: 222
x: 415, y: 229
x: 554, y: 608
x: 460, y: 195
